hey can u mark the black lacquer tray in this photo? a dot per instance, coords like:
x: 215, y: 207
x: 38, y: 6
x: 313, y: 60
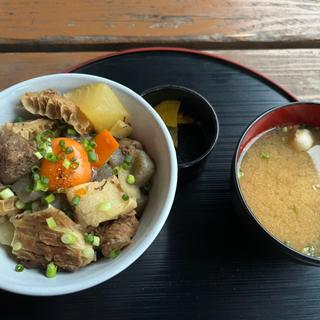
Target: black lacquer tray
x: 204, y: 264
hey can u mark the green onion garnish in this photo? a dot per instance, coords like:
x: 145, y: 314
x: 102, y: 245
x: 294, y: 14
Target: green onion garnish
x: 69, y: 150
x: 6, y: 194
x: 88, y: 253
x: 131, y: 179
x: 128, y: 159
x: 264, y: 155
x: 74, y: 165
x: 51, y: 157
x: 115, y: 170
x: 18, y: 119
x: 240, y: 174
x: 51, y: 223
x: 147, y: 187
x: 125, y: 166
x: 68, y: 238
x: 50, y: 198
x: 71, y: 132
x: 35, y: 169
x: 114, y: 253
x: 38, y: 155
x: 66, y: 163
x: 19, y: 268
x: 89, y: 237
x: 125, y: 197
x: 62, y: 144
x: 92, y: 156
x: 17, y: 246
x: 51, y: 270
x: 40, y: 185
x: 75, y: 201
x: 104, y: 206
x: 20, y: 205
x: 96, y: 241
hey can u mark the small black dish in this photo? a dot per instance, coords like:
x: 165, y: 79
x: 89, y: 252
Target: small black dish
x: 195, y: 140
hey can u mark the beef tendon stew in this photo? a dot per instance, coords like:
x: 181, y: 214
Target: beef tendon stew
x: 73, y: 182
x: 280, y: 179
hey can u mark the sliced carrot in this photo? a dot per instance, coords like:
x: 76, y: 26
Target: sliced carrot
x: 106, y: 146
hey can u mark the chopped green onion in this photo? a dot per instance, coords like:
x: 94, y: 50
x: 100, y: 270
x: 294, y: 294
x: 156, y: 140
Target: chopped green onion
x: 62, y: 144
x: 69, y: 150
x: 131, y: 179
x: 89, y: 237
x: 28, y: 206
x: 73, y: 159
x: 51, y: 157
x: 147, y: 187
x: 96, y: 241
x: 92, y: 144
x: 35, y: 169
x: 51, y: 223
x: 75, y: 201
x: 104, y: 206
x: 88, y: 253
x: 20, y: 205
x: 50, y: 198
x: 92, y: 156
x: 68, y: 238
x: 66, y: 163
x: 125, y: 166
x: 40, y: 186
x: 264, y: 155
x: 74, y: 165
x: 71, y: 132
x: 125, y: 197
x: 6, y: 194
x: 36, y: 176
x: 115, y: 170
x: 51, y: 270
x: 18, y: 119
x: 128, y: 159
x: 28, y: 188
x: 38, y: 155
x: 17, y: 246
x: 309, y: 251
x: 19, y: 268
x: 287, y: 243
x: 114, y: 253
x: 240, y: 174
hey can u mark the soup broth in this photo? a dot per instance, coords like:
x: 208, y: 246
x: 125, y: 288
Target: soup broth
x: 281, y: 185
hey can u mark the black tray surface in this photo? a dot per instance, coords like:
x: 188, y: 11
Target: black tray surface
x: 204, y: 264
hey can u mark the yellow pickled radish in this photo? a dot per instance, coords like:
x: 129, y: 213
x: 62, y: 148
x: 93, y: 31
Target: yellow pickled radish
x: 100, y: 104
x: 168, y: 111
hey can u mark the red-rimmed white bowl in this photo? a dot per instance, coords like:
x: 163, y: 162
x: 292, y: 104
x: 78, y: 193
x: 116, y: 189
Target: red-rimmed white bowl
x: 294, y: 113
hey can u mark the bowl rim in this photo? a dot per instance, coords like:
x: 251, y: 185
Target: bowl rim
x: 164, y: 212
x: 204, y: 155
x: 290, y: 251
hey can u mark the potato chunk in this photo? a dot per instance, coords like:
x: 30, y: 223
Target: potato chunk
x: 89, y: 211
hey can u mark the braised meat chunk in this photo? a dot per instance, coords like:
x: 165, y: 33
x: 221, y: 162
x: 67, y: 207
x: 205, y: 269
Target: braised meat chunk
x: 16, y: 156
x: 37, y: 244
x: 117, y: 234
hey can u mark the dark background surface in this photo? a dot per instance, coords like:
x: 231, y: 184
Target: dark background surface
x: 204, y: 264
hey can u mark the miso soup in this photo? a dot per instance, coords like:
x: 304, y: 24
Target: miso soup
x: 280, y: 180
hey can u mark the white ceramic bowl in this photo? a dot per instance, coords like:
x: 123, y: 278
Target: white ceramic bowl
x: 149, y: 128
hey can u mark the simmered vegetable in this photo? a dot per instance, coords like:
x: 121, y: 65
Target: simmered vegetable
x: 143, y: 168
x: 99, y: 201
x: 100, y: 104
x: 106, y: 145
x: 121, y: 130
